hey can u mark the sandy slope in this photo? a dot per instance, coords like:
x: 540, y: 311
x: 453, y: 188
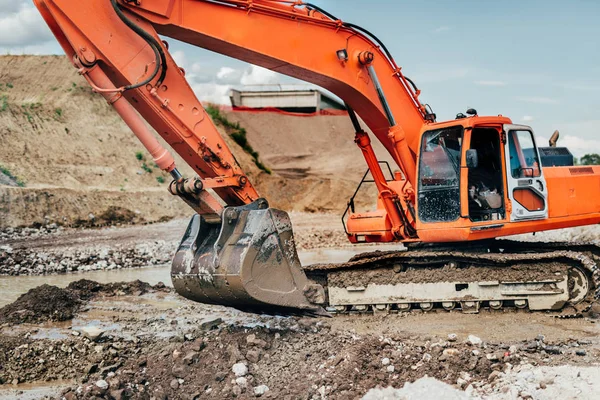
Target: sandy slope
x: 77, y: 157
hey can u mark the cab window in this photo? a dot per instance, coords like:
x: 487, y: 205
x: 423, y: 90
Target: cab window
x: 524, y: 162
x: 439, y: 175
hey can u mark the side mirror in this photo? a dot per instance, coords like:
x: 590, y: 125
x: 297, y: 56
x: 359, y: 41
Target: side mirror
x: 472, y: 158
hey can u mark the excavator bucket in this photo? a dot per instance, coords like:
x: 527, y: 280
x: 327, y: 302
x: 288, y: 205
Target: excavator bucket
x: 248, y: 260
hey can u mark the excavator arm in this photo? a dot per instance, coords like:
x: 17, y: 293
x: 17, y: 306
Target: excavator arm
x: 237, y: 250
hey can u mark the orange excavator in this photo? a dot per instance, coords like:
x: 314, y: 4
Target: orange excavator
x: 459, y: 184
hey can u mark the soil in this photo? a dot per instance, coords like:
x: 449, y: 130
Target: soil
x: 50, y: 303
x: 80, y: 166
x: 386, y: 276
x: 157, y: 345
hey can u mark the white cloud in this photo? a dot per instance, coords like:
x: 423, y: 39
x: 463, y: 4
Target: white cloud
x: 229, y: 75
x: 578, y: 136
x: 11, y: 6
x: 527, y: 118
x: 180, y: 59
x: 490, y: 83
x: 256, y: 75
x: 538, y: 100
x: 21, y: 25
x: 212, y: 92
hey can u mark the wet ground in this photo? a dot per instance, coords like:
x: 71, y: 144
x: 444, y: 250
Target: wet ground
x: 155, y: 344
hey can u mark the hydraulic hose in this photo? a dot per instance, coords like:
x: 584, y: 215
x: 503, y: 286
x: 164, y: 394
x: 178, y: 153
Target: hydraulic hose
x: 159, y: 54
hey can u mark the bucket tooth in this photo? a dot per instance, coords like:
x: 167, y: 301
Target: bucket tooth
x: 247, y: 261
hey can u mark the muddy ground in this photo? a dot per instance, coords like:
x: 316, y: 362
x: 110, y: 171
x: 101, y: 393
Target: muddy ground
x: 133, y: 340
x: 136, y: 341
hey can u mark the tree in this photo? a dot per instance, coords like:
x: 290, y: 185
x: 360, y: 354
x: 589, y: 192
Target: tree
x: 590, y: 159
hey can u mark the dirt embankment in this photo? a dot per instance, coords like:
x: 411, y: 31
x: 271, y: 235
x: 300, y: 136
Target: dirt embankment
x: 77, y: 159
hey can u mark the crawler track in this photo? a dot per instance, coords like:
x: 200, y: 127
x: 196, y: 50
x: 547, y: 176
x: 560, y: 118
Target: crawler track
x: 559, y: 277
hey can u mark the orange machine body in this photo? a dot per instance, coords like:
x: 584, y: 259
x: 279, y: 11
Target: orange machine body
x: 572, y: 199
x: 429, y: 201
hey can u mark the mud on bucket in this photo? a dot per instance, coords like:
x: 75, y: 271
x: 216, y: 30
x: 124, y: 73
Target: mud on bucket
x: 247, y: 261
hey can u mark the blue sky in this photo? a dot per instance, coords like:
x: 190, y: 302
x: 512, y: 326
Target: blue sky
x: 537, y: 62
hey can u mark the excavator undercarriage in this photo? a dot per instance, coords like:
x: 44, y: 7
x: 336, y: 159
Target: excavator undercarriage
x: 496, y: 275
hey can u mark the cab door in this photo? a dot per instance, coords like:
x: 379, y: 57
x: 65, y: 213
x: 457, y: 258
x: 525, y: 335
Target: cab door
x: 527, y: 189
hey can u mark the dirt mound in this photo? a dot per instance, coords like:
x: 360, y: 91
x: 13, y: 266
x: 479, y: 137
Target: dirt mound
x: 86, y: 289
x: 44, y: 303
x: 50, y: 303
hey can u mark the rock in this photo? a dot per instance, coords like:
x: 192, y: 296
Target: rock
x: 390, y: 368
x: 188, y: 337
x: 260, y: 390
x: 220, y: 376
x: 385, y: 361
x: 102, y: 384
x: 253, y: 355
x: 474, y: 340
x: 190, y: 358
x: 494, y: 375
x: 241, y: 381
x: 452, y: 337
x: 211, y: 324
x: 580, y: 352
x: 540, y: 338
x: 174, y: 384
x: 180, y: 371
x: 552, y: 349
x: 239, y: 369
x: 236, y: 391
x: 450, y: 352
x: 92, y: 332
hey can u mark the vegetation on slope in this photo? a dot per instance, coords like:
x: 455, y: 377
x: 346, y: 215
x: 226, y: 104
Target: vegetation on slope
x: 237, y: 133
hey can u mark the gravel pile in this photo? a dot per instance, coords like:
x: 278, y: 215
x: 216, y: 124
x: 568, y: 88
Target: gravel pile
x: 35, y: 261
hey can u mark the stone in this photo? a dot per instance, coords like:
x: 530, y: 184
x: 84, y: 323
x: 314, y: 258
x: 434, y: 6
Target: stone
x: 239, y: 369
x: 102, y: 384
x: 220, y: 376
x: 180, y: 371
x: 253, y: 355
x: 390, y: 368
x: 174, y: 384
x: 450, y: 352
x: 92, y: 332
x: 452, y: 337
x: 385, y: 361
x: 474, y: 340
x: 580, y: 352
x: 241, y: 381
x: 211, y: 324
x: 260, y: 390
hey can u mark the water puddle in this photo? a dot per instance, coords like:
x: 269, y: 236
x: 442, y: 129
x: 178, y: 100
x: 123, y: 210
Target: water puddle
x: 33, y: 390
x: 11, y: 287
